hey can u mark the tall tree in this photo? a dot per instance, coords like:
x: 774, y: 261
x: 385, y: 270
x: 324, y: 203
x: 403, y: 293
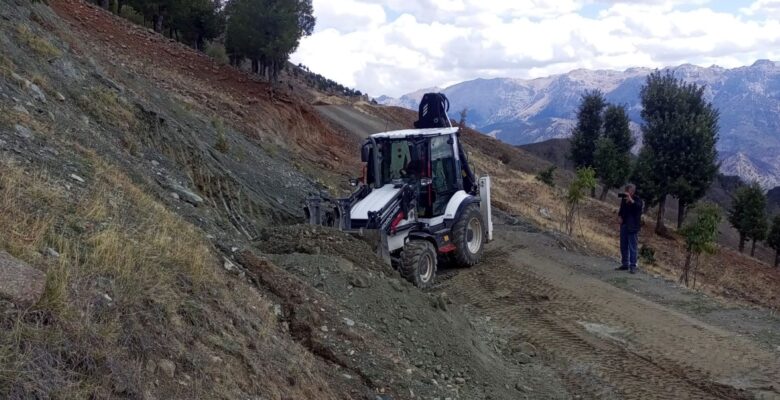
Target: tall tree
x: 197, y: 21
x: 699, y: 159
x: 679, y: 130
x: 758, y: 232
x: 773, y: 240
x: 267, y: 31
x: 748, y: 214
x: 588, y: 129
x: 612, y: 155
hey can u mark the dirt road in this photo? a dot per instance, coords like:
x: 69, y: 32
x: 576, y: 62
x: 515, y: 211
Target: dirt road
x: 606, y: 341
x: 357, y: 123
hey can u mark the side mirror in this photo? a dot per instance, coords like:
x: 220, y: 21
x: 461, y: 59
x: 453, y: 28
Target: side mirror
x: 365, y: 153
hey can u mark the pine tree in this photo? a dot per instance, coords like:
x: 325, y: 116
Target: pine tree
x: 156, y: 11
x: 197, y: 21
x: 758, y: 232
x: 588, y: 129
x: 748, y: 214
x: 611, y: 158
x: 267, y: 32
x: 773, y: 240
x: 699, y: 158
x: 680, y: 131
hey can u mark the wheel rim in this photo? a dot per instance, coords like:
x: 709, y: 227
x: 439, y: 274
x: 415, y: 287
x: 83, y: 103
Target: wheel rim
x: 426, y: 268
x: 474, y: 235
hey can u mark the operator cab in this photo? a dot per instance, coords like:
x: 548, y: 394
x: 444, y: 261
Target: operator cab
x: 427, y: 159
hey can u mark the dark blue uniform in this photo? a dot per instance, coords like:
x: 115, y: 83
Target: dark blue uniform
x: 631, y: 213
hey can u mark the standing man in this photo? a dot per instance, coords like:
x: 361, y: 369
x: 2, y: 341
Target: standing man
x: 630, y: 218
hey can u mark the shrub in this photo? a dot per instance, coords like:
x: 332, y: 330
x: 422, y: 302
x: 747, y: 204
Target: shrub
x: 129, y: 13
x: 547, y: 176
x: 221, y: 143
x: 586, y: 181
x: 36, y: 43
x: 647, y: 254
x: 216, y: 51
x: 700, y: 236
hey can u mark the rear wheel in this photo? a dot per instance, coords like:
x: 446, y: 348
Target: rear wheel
x: 468, y: 235
x: 418, y: 263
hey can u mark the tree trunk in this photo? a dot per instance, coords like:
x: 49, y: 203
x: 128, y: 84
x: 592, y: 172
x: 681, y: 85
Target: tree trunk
x: 103, y: 4
x: 681, y: 208
x: 660, y: 226
x: 753, y: 249
x: 593, y: 192
x: 604, y: 192
x: 741, y: 242
x: 119, y: 5
x: 686, y: 268
x: 158, y: 23
x: 777, y: 258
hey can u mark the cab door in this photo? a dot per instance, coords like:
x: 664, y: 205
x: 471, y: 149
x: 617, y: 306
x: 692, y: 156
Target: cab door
x: 444, y: 173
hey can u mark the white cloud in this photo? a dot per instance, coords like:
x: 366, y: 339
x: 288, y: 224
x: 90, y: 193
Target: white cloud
x: 397, y: 46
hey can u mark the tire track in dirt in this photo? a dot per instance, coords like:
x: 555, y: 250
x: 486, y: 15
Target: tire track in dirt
x: 575, y: 333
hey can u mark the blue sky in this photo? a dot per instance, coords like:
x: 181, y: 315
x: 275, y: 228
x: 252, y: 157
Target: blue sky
x: 398, y: 46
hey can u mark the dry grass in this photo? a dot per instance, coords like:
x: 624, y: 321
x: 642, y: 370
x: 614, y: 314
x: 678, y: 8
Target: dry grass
x: 133, y: 284
x: 6, y: 66
x: 221, y: 144
x: 24, y: 230
x: 42, y: 82
x: 107, y: 107
x: 10, y: 117
x: 727, y: 273
x: 116, y: 242
x: 522, y: 194
x: 36, y: 43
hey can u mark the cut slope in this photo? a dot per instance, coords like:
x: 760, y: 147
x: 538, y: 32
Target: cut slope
x: 199, y: 170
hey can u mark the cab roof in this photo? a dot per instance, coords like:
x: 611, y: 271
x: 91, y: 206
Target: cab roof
x: 407, y: 133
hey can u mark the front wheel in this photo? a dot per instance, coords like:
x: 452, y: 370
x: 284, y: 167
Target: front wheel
x: 468, y: 235
x: 418, y: 263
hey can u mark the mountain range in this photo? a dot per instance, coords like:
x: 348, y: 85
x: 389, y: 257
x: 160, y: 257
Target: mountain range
x: 522, y: 111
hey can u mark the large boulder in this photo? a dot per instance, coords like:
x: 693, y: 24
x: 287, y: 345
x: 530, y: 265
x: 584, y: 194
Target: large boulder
x: 19, y: 282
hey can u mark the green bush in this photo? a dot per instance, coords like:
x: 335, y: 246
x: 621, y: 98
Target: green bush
x: 216, y: 51
x: 129, y: 13
x: 647, y: 254
x: 547, y: 176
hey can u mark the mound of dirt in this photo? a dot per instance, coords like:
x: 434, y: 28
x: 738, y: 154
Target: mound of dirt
x: 430, y: 347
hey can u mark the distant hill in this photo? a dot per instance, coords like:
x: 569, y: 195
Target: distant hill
x: 555, y: 151
x: 520, y: 111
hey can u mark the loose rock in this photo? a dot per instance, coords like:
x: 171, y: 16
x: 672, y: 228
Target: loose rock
x: 23, y: 131
x: 19, y: 282
x: 167, y: 367
x: 77, y: 178
x: 187, y: 195
x: 528, y: 349
x: 359, y: 282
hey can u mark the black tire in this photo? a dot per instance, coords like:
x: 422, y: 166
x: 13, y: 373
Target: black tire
x: 418, y: 263
x: 467, y: 229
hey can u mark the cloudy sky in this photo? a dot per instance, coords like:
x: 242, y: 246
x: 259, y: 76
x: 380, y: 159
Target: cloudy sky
x: 397, y: 46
